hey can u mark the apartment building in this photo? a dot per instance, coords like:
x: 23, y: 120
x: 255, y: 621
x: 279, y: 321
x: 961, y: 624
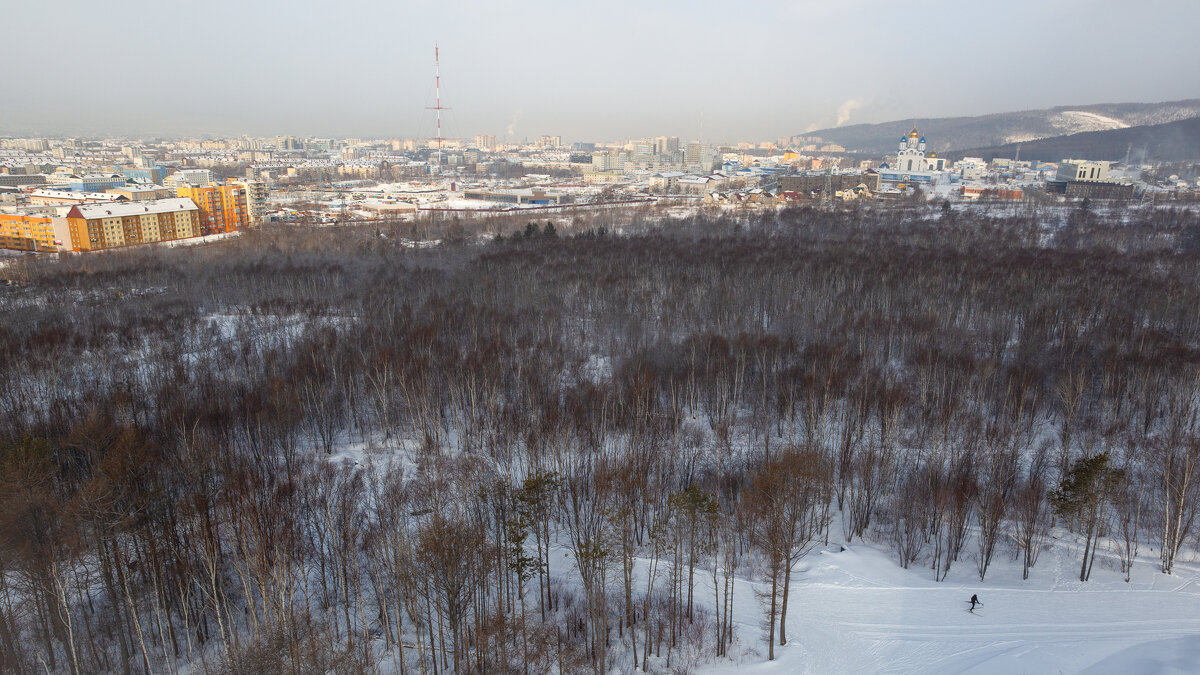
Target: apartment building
x: 189, y: 178
x: 95, y: 182
x: 256, y: 200
x: 93, y: 227
x: 68, y: 198
x: 32, y: 232
x: 222, y: 207
x: 142, y: 192
x: 486, y: 142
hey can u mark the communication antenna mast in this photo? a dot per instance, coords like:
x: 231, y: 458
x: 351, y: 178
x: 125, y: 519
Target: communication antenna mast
x: 437, y: 88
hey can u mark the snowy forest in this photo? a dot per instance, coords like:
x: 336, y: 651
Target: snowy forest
x: 500, y: 446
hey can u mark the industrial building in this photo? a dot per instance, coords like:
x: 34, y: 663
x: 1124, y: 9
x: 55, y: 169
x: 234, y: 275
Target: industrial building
x: 1081, y: 170
x: 1111, y: 189
x: 1088, y: 179
x: 532, y: 197
x: 810, y: 184
x: 987, y: 193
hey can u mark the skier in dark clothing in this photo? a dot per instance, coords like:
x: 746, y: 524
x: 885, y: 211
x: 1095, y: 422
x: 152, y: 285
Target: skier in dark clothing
x: 975, y: 601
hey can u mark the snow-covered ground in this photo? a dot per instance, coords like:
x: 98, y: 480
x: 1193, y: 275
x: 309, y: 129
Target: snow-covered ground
x: 1076, y: 121
x: 857, y: 611
x: 853, y: 609
x: 206, y: 239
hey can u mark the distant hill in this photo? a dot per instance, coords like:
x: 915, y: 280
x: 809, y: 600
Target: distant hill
x: 948, y: 134
x: 1170, y: 142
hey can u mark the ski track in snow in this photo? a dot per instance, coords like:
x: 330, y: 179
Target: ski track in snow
x: 856, y: 611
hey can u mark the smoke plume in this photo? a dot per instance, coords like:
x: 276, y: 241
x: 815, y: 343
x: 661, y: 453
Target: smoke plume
x: 844, y: 110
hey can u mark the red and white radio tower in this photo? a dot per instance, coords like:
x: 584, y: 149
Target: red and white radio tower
x: 437, y: 87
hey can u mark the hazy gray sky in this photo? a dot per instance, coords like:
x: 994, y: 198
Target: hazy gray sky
x: 584, y: 70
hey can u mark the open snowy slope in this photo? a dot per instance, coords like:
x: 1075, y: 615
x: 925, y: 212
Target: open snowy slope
x: 856, y: 611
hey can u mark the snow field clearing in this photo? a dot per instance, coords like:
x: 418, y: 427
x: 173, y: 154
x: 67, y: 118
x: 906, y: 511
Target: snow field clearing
x: 854, y: 610
x: 857, y: 611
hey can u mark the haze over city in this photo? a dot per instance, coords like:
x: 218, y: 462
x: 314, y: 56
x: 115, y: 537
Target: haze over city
x: 686, y: 338
x: 710, y: 70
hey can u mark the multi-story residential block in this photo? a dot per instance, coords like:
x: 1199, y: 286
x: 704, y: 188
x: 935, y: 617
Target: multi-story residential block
x: 609, y: 160
x: 698, y: 156
x: 256, y: 200
x: 93, y: 227
x: 152, y: 174
x: 18, y: 180
x: 95, y: 182
x: 32, y: 232
x: 143, y: 192
x: 971, y: 168
x: 485, y: 142
x: 67, y: 197
x: 222, y: 207
x: 186, y: 177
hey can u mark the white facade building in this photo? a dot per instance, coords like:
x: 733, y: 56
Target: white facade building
x: 911, y: 155
x: 1082, y: 169
x: 971, y: 168
x: 486, y: 142
x: 609, y: 160
x: 189, y: 177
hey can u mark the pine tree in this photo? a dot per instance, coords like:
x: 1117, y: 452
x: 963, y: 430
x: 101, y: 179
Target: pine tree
x: 1083, y: 497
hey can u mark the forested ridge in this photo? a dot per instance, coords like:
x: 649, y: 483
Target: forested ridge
x: 315, y: 450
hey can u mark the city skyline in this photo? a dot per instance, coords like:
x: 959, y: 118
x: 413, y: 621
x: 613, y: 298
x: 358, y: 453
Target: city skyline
x: 708, y: 71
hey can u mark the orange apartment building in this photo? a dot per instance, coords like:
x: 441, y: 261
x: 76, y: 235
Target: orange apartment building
x: 222, y: 207
x: 32, y: 233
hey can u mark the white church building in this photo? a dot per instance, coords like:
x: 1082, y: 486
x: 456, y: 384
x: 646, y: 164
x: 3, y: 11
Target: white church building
x: 911, y: 162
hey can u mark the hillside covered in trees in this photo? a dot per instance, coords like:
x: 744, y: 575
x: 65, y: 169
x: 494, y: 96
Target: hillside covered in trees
x: 1177, y: 141
x: 317, y: 450
x: 958, y: 134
